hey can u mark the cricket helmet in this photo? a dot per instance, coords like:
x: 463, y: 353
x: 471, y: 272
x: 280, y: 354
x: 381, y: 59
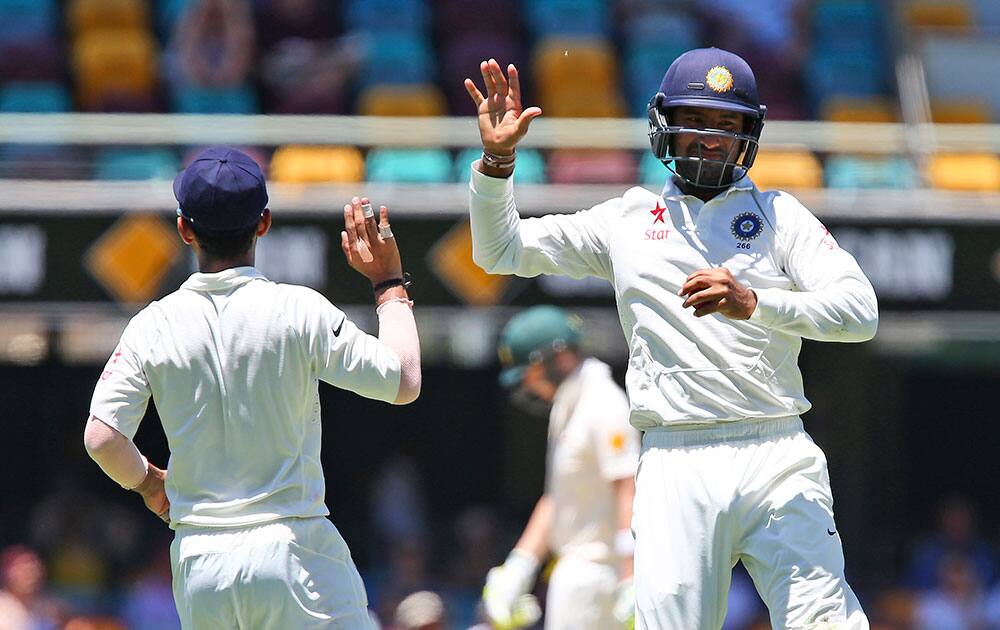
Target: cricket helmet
x: 531, y: 336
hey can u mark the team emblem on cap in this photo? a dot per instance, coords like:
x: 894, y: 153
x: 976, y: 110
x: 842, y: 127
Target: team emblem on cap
x: 720, y: 79
x: 747, y: 226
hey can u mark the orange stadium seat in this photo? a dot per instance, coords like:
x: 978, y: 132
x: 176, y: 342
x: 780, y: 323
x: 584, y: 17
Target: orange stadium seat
x: 583, y: 67
x: 970, y: 172
x: 960, y: 112
x: 787, y: 169
x: 606, y: 166
x: 87, y: 15
x: 313, y: 164
x: 859, y: 109
x: 938, y: 14
x: 114, y: 64
x: 402, y: 100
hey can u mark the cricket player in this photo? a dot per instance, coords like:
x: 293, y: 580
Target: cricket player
x: 583, y: 517
x: 716, y: 284
x: 233, y: 361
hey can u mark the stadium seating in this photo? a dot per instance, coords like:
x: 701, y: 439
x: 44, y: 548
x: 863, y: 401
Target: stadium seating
x: 409, y: 165
x: 39, y: 59
x: 114, y: 67
x: 189, y: 99
x: 459, y: 17
x: 854, y: 171
x: 937, y: 14
x: 89, y: 15
x: 968, y: 172
x: 645, y: 65
x: 652, y: 173
x: 398, y: 58
x: 316, y: 164
x: 136, y: 164
x: 402, y: 100
x: 387, y: 16
x: 47, y: 97
x: 603, y: 166
x: 530, y: 168
x: 953, y: 69
x: 461, y: 57
x: 787, y: 169
x: 567, y: 17
x: 26, y: 20
x: 859, y: 109
x: 960, y: 112
x: 583, y: 67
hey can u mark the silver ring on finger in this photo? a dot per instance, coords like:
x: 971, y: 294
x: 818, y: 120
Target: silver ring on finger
x: 367, y: 211
x: 385, y: 231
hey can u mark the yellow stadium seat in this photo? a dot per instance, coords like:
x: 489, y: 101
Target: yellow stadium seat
x: 313, y: 164
x: 112, y: 63
x: 87, y: 15
x: 402, y: 100
x: 961, y: 112
x: 847, y: 109
x: 577, y: 78
x: 787, y: 169
x: 938, y: 14
x: 967, y: 171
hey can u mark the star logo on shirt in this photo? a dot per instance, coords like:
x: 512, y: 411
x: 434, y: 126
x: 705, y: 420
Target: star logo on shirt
x: 657, y: 212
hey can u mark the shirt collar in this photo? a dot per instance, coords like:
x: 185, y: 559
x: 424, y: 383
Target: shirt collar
x: 225, y: 279
x: 672, y: 191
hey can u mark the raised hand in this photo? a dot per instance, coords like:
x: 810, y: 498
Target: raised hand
x: 370, y: 248
x: 502, y: 122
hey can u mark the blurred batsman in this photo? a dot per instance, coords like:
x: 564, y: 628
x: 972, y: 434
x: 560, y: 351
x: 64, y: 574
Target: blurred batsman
x: 232, y: 362
x: 716, y: 284
x: 583, y: 516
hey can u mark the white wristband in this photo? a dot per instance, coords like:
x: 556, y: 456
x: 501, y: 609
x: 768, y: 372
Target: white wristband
x: 624, y: 543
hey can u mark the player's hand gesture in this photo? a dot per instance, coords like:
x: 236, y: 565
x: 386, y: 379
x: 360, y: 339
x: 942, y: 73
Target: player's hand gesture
x: 502, y: 122
x: 370, y: 247
x: 717, y: 291
x: 154, y: 494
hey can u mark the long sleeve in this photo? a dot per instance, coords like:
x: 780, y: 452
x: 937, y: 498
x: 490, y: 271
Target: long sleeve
x: 833, y: 299
x: 503, y: 243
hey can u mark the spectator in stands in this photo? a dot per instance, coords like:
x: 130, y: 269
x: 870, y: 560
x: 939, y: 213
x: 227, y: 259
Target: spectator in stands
x: 22, y: 604
x: 956, y: 536
x: 305, y: 63
x: 213, y: 45
x: 149, y: 603
x: 957, y: 603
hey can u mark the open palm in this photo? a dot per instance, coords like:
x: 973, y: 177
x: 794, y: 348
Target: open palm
x: 502, y: 122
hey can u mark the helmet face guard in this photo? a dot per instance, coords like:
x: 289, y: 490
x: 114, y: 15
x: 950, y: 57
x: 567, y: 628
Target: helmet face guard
x: 694, y: 169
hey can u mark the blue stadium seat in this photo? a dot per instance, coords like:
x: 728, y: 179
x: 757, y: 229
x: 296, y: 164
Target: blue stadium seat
x: 198, y: 100
x: 387, y: 16
x: 404, y: 58
x: 852, y: 171
x: 850, y: 73
x: 568, y: 17
x: 43, y: 97
x: 168, y: 12
x: 408, y: 165
x: 645, y: 65
x: 674, y: 29
x: 652, y: 173
x: 22, y: 20
x: 846, y: 24
x: 136, y: 164
x: 530, y: 167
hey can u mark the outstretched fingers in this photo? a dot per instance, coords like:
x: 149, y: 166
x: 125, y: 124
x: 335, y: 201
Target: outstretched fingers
x: 474, y: 93
x: 498, y: 78
x: 484, y: 69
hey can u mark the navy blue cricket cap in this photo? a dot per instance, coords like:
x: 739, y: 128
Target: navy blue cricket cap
x: 223, y: 189
x: 713, y: 78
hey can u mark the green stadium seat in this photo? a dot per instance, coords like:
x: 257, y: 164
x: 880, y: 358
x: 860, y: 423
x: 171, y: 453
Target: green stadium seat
x: 855, y: 171
x: 409, y: 165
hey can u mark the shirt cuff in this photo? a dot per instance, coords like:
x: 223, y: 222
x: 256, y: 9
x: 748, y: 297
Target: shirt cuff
x: 769, y: 306
x: 486, y: 186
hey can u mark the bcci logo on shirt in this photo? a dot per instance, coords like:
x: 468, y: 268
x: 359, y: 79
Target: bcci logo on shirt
x: 747, y: 226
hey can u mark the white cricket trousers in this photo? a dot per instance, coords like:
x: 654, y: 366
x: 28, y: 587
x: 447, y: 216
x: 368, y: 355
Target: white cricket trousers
x: 756, y: 491
x: 581, y: 595
x: 290, y: 573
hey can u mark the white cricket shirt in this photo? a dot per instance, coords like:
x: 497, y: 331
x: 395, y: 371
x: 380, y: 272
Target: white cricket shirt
x: 233, y: 363
x: 683, y: 369
x: 590, y: 446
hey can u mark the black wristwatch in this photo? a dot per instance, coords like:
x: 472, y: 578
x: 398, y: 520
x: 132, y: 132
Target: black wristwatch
x: 404, y: 282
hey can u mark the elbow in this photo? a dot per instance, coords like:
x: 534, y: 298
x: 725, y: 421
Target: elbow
x: 487, y: 263
x: 407, y: 394
x: 864, y: 327
x: 97, y: 438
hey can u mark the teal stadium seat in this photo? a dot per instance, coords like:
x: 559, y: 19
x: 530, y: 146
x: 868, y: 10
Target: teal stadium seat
x: 645, y: 65
x: 22, y: 20
x: 568, y: 17
x: 853, y: 171
x: 136, y: 164
x: 672, y: 28
x: 387, y: 16
x: 652, y: 173
x: 847, y: 25
x: 43, y: 97
x: 833, y: 73
x: 400, y: 58
x: 199, y: 100
x: 530, y: 168
x: 168, y: 13
x: 410, y: 166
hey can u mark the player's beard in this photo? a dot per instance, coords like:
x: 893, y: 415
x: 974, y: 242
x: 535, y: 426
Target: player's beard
x: 714, y: 173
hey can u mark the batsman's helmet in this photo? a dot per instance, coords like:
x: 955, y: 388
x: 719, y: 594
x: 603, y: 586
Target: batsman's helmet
x: 531, y: 336
x: 716, y: 79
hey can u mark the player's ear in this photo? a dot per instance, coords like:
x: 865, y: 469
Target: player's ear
x: 185, y: 231
x: 265, y: 223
